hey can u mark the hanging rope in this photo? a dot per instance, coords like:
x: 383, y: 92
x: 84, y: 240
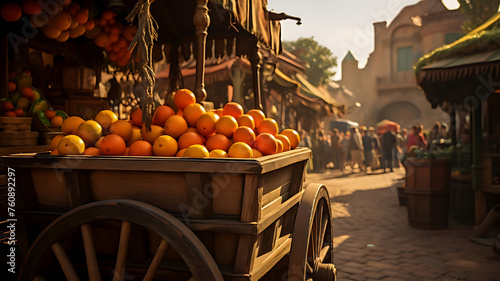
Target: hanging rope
x: 142, y: 44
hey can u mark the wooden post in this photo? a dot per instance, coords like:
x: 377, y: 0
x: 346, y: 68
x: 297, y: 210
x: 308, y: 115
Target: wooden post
x: 453, y: 127
x: 201, y: 22
x: 256, y: 61
x: 475, y: 117
x: 4, y: 69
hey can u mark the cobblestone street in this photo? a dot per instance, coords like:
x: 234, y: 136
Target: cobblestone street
x: 373, y: 240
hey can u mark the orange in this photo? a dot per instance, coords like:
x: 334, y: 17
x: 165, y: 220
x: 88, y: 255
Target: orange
x: 162, y: 113
x: 112, y: 145
x: 293, y: 136
x: 106, y: 118
x: 219, y: 111
x: 180, y: 113
x: 232, y: 108
x: 101, y: 40
x: 108, y: 14
x: 19, y: 112
x: 12, y: 86
x: 284, y: 141
x: 180, y: 153
x: 218, y: 141
x: 70, y: 125
x: 90, y: 131
x: 89, y: 25
x: 64, y: 36
x: 7, y: 105
x: 266, y: 144
x: 218, y: 153
x: 51, y: 32
x: 122, y: 128
x: 175, y: 126
x: 79, y: 30
x: 31, y: 7
x: 54, y: 152
x: 196, y: 151
x: 280, y: 146
x: 192, y: 129
x: 183, y: 98
x: 136, y: 117
x: 206, y: 123
x: 73, y: 8
x: 10, y: 113
x: 240, y: 150
x: 188, y: 139
x: 192, y: 112
x: 226, y: 125
x: 268, y: 125
x: 82, y: 15
x: 98, y: 143
x: 71, y: 145
x: 61, y: 21
x: 94, y: 151
x: 244, y: 134
x: 49, y: 114
x: 257, y: 115
x: 136, y: 136
x: 256, y: 153
x: 56, y: 121
x: 126, y: 151
x: 246, y: 120
x: 27, y: 92
x: 129, y: 32
x: 152, y: 135
x: 165, y: 146
x: 141, y: 148
x: 11, y: 12
x: 55, y: 141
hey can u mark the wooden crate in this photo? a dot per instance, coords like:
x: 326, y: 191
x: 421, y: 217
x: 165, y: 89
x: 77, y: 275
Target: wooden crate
x: 18, y: 138
x: 243, y: 210
x: 15, y: 124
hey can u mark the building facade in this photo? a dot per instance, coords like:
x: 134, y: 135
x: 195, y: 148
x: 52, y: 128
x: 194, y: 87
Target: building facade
x: 386, y: 87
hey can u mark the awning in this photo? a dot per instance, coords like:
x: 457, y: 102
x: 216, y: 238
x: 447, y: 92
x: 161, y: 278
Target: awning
x: 309, y: 90
x: 283, y: 80
x: 213, y: 73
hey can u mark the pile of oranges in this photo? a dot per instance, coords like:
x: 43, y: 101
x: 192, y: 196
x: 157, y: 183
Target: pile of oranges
x: 189, y: 132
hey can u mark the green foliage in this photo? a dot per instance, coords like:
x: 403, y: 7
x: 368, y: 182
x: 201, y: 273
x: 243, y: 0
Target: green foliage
x: 478, y: 11
x: 319, y: 59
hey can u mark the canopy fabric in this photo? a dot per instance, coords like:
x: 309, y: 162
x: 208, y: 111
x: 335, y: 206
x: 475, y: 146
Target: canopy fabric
x: 283, y: 80
x: 309, y: 90
x: 386, y: 125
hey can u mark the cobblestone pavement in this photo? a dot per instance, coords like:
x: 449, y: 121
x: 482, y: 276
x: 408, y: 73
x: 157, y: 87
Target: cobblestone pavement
x: 373, y: 240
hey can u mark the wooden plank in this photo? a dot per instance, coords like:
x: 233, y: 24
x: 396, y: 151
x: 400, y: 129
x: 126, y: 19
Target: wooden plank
x: 273, y: 216
x: 252, y: 194
x: 284, y: 159
x: 265, y: 262
x: 26, y: 198
x: 225, y: 246
x: 23, y: 149
x: 50, y: 187
x: 77, y: 187
x: 215, y: 225
x: 280, y: 191
x: 275, y: 179
x: 299, y: 176
x: 245, y: 254
x: 274, y: 205
x: 196, y: 198
x: 163, y: 190
x: 227, y: 194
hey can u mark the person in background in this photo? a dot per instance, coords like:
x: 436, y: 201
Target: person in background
x: 400, y: 148
x: 389, y: 143
x: 435, y: 136
x: 376, y: 139
x: 444, y: 131
x: 344, y: 150
x: 328, y: 151
x: 416, y: 138
x: 368, y: 144
x: 356, y: 149
x: 336, y: 138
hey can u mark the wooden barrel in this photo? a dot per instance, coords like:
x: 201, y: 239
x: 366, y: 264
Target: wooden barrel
x: 428, y: 209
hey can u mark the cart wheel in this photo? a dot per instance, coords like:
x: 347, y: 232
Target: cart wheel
x: 171, y: 230
x: 311, y: 255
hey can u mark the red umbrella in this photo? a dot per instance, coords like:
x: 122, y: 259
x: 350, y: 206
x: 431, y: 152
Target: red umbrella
x: 386, y: 125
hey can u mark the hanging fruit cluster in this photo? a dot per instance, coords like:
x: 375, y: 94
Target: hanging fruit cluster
x: 114, y: 37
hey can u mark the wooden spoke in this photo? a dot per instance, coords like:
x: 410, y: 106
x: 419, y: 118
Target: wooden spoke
x: 90, y: 255
x: 309, y: 269
x: 62, y: 257
x: 122, y: 251
x: 324, y: 225
x: 324, y: 253
x: 160, y: 252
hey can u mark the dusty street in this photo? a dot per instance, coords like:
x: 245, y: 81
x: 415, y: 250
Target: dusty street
x: 373, y: 240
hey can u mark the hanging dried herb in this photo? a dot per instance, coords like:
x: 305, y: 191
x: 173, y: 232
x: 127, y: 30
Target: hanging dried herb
x: 142, y: 44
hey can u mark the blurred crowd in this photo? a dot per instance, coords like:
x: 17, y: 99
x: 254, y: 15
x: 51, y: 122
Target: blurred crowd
x: 366, y: 149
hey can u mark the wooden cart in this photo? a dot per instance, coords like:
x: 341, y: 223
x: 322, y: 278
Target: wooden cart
x: 133, y: 218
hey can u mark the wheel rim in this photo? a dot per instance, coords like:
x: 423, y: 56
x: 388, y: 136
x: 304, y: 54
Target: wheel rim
x: 172, y: 232
x: 311, y: 255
